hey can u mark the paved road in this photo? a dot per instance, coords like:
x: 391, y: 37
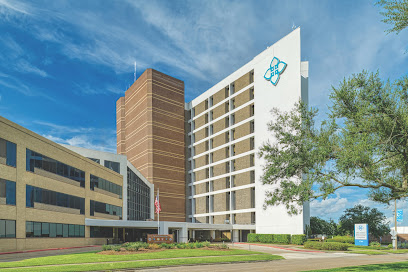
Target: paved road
x: 29, y: 255
x: 294, y: 261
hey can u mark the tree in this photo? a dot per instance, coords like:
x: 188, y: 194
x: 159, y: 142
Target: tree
x: 376, y: 220
x: 321, y: 226
x: 362, y: 143
x: 395, y: 13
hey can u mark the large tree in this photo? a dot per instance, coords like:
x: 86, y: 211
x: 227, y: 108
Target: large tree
x: 321, y: 226
x: 395, y: 13
x: 376, y: 220
x: 363, y: 142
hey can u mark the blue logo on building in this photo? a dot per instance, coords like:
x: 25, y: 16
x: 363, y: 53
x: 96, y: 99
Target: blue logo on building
x: 276, y: 68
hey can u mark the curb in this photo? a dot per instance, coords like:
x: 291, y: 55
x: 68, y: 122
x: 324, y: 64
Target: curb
x: 284, y: 248
x: 39, y: 250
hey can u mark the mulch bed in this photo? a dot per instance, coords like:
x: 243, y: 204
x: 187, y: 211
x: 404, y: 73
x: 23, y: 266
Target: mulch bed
x: 144, y: 250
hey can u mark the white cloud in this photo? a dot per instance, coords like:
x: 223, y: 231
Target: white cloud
x: 329, y: 207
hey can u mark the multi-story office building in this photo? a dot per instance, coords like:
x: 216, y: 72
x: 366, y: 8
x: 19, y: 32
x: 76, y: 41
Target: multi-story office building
x: 224, y: 128
x: 46, y: 193
x: 227, y: 124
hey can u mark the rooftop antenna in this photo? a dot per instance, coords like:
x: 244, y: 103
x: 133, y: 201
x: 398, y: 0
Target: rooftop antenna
x: 293, y: 26
x: 134, y: 75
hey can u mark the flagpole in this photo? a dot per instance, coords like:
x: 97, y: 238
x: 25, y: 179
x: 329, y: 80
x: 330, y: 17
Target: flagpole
x: 158, y: 214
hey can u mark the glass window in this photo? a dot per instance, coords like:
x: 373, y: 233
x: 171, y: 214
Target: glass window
x: 65, y: 230
x: 45, y: 232
x: 29, y: 229
x: 82, y: 231
x: 10, y: 193
x: 11, y: 154
x: 77, y: 231
x: 95, y: 160
x: 53, y: 230
x: 2, y: 228
x: 71, y: 230
x: 59, y: 230
x: 115, y: 166
x: 37, y: 229
x: 10, y: 229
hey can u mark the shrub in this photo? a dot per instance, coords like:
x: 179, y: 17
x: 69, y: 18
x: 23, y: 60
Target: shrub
x: 341, y: 239
x: 181, y: 245
x: 390, y: 246
x: 206, y: 244
x: 225, y: 240
x: 198, y: 245
x: 375, y: 244
x: 315, y: 240
x: 154, y: 246
x: 253, y: 237
x: 298, y: 239
x: 266, y: 238
x: 191, y: 245
x: 282, y: 238
x: 327, y: 245
x: 108, y: 247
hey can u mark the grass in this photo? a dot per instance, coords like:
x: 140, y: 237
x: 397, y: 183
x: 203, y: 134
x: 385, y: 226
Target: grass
x: 80, y: 262
x: 371, y: 251
x: 96, y: 258
x: 390, y: 267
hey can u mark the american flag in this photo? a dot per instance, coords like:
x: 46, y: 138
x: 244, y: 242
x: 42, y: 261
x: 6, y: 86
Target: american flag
x: 157, y: 203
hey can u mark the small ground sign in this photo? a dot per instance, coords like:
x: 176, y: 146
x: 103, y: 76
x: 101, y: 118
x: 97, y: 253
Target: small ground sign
x: 160, y: 239
x: 361, y: 235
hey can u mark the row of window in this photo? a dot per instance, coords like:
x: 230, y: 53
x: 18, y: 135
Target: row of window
x: 138, y: 197
x: 42, y: 229
x: 105, y: 208
x: 8, y: 191
x: 103, y: 184
x: 210, y: 219
x: 7, y: 228
x: 37, y: 160
x: 8, y: 152
x: 40, y: 195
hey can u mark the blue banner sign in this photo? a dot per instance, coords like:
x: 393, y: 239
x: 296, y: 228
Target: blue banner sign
x: 361, y: 235
x: 400, y: 215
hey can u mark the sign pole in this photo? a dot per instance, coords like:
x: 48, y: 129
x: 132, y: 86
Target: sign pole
x: 395, y: 219
x: 158, y: 214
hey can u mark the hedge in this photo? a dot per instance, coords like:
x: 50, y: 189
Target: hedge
x: 276, y: 238
x: 299, y: 239
x: 342, y: 239
x: 327, y: 245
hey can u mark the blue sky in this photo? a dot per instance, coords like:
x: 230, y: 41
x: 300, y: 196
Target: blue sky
x: 63, y: 64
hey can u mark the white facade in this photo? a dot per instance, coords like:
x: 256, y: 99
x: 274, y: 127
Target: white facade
x: 291, y: 87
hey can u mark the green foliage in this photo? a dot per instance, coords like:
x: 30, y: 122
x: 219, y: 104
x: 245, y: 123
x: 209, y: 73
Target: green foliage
x: 298, y: 239
x: 321, y: 226
x: 281, y: 238
x: 327, y: 246
x: 378, y: 225
x: 342, y: 239
x: 253, y: 237
x: 181, y: 245
x: 395, y: 13
x: 266, y: 238
x: 375, y: 244
x: 225, y: 240
x: 361, y: 143
x: 198, y: 244
x: 190, y: 245
x: 389, y: 246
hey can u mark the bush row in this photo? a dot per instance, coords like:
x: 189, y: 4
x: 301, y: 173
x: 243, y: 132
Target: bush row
x: 135, y: 246
x: 341, y: 239
x: 277, y: 238
x: 327, y: 245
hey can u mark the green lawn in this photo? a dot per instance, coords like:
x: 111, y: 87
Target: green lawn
x: 82, y: 262
x: 371, y: 251
x: 391, y: 267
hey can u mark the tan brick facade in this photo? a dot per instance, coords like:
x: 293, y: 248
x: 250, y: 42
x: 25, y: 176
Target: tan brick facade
x: 154, y: 136
x: 25, y: 139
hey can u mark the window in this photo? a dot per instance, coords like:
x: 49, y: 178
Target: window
x: 232, y: 88
x: 233, y: 150
x: 103, y: 184
x: 252, y: 218
x: 226, y: 121
x: 232, y: 181
x: 8, y: 153
x: 227, y: 201
x: 37, y: 160
x: 7, y: 228
x: 251, y: 94
x: 232, y: 103
x: 210, y: 101
x: 8, y: 191
x: 104, y: 208
x: 252, y: 127
x: 45, y: 229
x: 252, y: 110
x: 227, y: 182
x: 115, y: 166
x: 251, y: 77
x: 252, y: 143
x: 101, y: 232
x: 233, y: 119
x: 95, y: 160
x: 253, y: 198
x: 252, y: 176
x: 40, y: 195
